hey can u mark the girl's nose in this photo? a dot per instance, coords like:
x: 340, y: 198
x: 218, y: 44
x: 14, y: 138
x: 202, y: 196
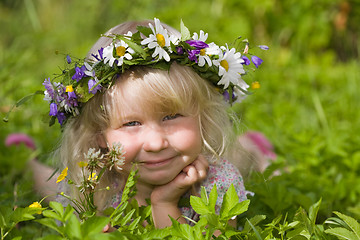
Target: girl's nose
x: 155, y: 139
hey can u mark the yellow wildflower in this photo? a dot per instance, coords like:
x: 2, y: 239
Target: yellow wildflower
x: 255, y: 85
x: 36, y: 205
x: 92, y: 177
x: 62, y: 175
x: 69, y: 88
x: 82, y: 164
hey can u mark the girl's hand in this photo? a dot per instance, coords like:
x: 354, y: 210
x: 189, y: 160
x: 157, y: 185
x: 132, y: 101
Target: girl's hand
x: 165, y: 198
x: 172, y: 191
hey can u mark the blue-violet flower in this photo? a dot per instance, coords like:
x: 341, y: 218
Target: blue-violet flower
x: 256, y: 60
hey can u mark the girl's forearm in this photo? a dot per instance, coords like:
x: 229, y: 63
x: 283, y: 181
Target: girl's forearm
x: 161, y: 213
x: 42, y: 184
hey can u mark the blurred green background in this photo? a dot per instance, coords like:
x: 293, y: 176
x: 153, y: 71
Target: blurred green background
x: 308, y: 103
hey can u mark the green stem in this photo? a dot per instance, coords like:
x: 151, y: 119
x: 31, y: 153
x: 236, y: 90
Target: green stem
x: 103, y: 79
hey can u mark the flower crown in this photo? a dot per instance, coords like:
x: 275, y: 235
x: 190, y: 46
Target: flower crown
x: 82, y: 79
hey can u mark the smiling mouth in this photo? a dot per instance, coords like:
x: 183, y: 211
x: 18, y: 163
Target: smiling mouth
x: 157, y: 163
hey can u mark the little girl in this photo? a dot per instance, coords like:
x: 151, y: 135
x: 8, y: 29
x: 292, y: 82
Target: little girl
x: 163, y: 96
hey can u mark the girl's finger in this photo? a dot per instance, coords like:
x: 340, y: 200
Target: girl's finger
x: 190, y: 175
x: 201, y: 165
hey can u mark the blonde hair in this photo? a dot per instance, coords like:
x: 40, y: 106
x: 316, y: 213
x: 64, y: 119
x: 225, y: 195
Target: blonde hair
x: 179, y: 89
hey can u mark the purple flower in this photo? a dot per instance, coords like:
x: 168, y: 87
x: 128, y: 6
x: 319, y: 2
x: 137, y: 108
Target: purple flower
x: 68, y: 59
x: 100, y: 51
x: 197, y: 43
x: 71, y: 95
x: 61, y: 117
x: 246, y: 60
x: 91, y: 84
x: 263, y: 47
x: 227, y: 96
x: 192, y: 55
x: 256, y: 60
x: 70, y: 91
x: 71, y: 102
x: 179, y: 50
x: 79, y: 73
x: 49, y: 87
x: 53, y: 109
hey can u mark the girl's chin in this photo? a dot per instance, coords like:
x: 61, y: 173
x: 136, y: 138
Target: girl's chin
x: 156, y: 179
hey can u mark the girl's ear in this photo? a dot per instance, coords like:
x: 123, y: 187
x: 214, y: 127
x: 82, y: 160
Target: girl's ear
x: 101, y: 140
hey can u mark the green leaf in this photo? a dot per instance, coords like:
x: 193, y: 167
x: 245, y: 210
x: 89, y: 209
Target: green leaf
x: 134, y: 224
x: 212, y: 199
x: 134, y: 46
x: 22, y: 214
x: 127, y: 218
x: 204, y: 196
x: 93, y: 225
x: 52, y: 214
x: 213, y: 219
x: 257, y: 234
x: 2, y: 220
x: 58, y: 208
x: 342, y: 233
x: 117, y: 214
x: 185, y: 33
x: 351, y: 222
x: 239, y: 208
x: 50, y: 223
x: 144, y: 30
x: 51, y: 237
x: 254, y: 221
x: 230, y: 200
x: 198, y: 205
x: 68, y: 212
x: 298, y: 234
x: 17, y: 238
x: 313, y: 211
x: 72, y: 227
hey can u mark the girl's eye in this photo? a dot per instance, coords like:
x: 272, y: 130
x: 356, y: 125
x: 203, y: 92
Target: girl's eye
x: 172, y: 116
x: 131, y: 124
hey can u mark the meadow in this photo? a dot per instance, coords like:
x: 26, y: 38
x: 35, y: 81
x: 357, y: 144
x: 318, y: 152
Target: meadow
x: 307, y: 106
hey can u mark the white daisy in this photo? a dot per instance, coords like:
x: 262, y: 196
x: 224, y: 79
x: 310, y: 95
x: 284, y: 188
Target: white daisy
x: 159, y: 40
x: 202, y: 37
x: 205, y: 54
x: 174, y: 39
x: 121, y: 49
x: 230, y: 67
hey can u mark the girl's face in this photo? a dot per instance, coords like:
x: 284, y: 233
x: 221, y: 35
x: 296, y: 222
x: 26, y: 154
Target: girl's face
x: 162, y: 144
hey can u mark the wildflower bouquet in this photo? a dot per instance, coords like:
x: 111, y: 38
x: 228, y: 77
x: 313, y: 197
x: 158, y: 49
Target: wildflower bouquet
x: 92, y: 169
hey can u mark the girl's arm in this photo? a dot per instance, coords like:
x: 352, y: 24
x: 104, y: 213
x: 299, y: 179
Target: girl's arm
x: 42, y: 184
x: 165, y: 198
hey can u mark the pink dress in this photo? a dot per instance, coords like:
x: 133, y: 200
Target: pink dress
x: 223, y: 173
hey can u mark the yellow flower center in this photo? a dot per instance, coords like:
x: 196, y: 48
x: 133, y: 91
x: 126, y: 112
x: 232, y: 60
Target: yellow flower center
x: 120, y: 51
x: 160, y: 40
x: 202, y: 52
x: 255, y: 85
x: 224, y: 64
x: 69, y: 88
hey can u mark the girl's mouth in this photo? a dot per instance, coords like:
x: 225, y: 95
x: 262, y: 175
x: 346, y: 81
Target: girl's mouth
x: 156, y: 163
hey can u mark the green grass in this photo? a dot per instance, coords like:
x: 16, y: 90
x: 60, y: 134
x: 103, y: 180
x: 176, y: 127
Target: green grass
x: 307, y: 104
